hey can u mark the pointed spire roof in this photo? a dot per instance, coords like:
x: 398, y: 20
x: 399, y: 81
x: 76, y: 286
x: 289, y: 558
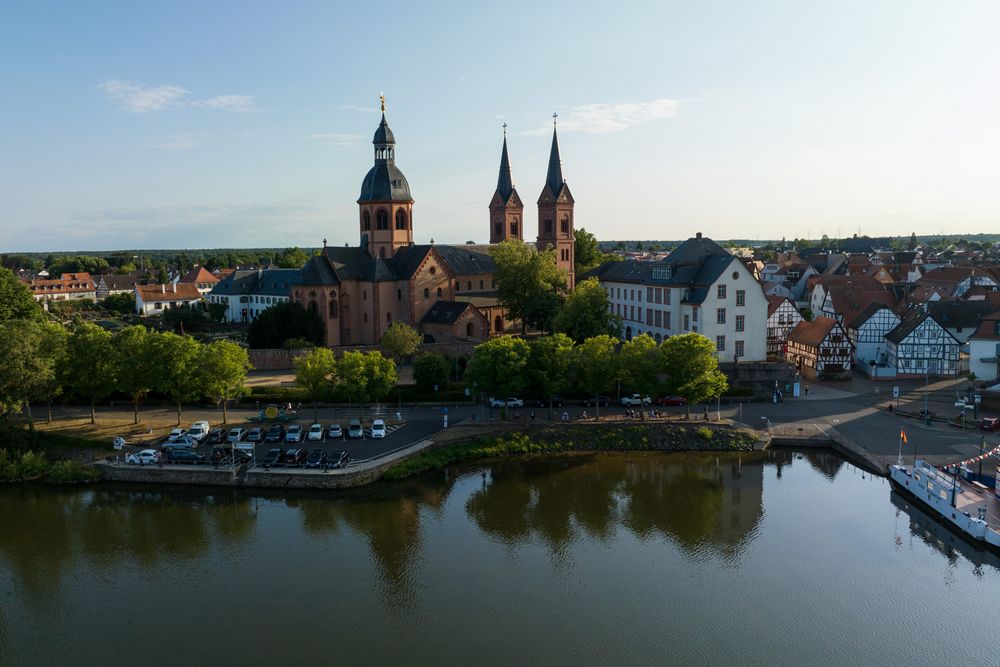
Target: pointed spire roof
x: 505, y: 181
x: 554, y: 180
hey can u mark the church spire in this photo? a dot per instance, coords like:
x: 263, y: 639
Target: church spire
x: 506, y: 209
x: 505, y: 182
x: 554, y: 180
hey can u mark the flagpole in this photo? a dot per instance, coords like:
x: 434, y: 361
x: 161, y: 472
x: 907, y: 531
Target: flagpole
x: 899, y: 458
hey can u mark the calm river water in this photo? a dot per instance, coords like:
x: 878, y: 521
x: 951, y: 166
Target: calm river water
x: 770, y: 559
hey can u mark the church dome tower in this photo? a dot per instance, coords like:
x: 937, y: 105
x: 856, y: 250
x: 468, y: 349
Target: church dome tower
x: 385, y: 205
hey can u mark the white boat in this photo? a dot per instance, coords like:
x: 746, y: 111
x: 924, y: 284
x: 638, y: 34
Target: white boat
x: 970, y: 508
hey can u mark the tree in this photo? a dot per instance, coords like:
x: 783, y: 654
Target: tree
x: 49, y: 384
x: 178, y: 373
x: 88, y: 369
x: 292, y: 258
x: 351, y: 376
x: 27, y: 366
x: 586, y: 252
x: 400, y: 340
x: 430, y: 370
x: 316, y: 372
x: 526, y: 279
x: 586, y: 313
x: 499, y: 366
x: 692, y: 368
x: 365, y: 376
x: 597, y: 368
x: 136, y: 363
x: 16, y: 301
x: 224, y: 367
x: 549, y: 365
x: 640, y: 370
x: 282, y: 321
x: 380, y: 375
x: 123, y: 302
x: 186, y: 317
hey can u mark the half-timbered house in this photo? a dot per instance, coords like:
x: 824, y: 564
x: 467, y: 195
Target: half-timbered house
x: 820, y: 349
x: 867, y: 331
x: 919, y: 346
x: 782, y: 317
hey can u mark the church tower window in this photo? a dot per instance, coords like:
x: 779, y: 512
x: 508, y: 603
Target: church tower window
x: 381, y: 219
x: 401, y: 219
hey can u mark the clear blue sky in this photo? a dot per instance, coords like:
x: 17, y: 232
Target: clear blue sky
x: 204, y: 124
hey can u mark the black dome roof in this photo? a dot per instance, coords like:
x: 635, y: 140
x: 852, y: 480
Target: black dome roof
x: 385, y: 182
x: 383, y: 135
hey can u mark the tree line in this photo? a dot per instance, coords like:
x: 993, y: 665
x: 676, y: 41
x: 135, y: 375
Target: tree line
x: 683, y: 365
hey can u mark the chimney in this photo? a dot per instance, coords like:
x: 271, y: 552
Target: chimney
x: 698, y: 235
x: 163, y: 289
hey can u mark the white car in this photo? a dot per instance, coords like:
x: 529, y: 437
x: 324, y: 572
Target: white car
x: 237, y: 434
x: 636, y: 399
x: 199, y: 431
x: 335, y: 431
x: 506, y: 403
x: 378, y: 428
x: 315, y: 432
x: 145, y: 457
x: 294, y: 433
x: 176, y: 433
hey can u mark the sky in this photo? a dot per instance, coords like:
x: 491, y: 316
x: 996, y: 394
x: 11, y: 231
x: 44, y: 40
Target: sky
x: 248, y: 124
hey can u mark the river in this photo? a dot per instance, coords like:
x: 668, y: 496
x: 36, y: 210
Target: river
x: 778, y: 558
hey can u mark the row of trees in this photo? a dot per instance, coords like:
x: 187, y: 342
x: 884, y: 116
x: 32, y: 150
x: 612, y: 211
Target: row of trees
x: 683, y: 365
x: 43, y: 360
x: 358, y: 377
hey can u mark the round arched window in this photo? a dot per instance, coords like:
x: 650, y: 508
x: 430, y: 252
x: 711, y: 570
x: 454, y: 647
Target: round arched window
x: 433, y: 270
x: 400, y: 219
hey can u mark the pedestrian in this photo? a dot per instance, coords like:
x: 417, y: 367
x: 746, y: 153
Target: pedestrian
x: 807, y: 390
x: 532, y: 415
x: 890, y: 407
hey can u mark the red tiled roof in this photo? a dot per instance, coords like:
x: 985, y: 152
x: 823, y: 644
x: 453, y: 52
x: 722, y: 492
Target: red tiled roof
x: 989, y: 328
x: 774, y: 302
x: 812, y: 333
x: 200, y: 274
x: 180, y: 291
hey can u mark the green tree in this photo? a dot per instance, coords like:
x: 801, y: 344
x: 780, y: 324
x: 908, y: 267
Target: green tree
x: 586, y: 313
x: 29, y: 352
x: 526, y: 281
x: 316, y: 372
x: 692, y: 368
x: 186, y: 318
x: 586, y: 252
x: 16, y: 301
x: 49, y: 385
x: 88, y: 369
x: 365, y: 376
x: 282, y: 321
x: 380, y: 375
x: 596, y: 364
x: 136, y: 367
x: 178, y: 374
x: 549, y: 365
x: 292, y: 258
x: 640, y: 367
x: 123, y: 303
x: 431, y: 369
x: 400, y: 340
x: 224, y: 367
x: 499, y: 366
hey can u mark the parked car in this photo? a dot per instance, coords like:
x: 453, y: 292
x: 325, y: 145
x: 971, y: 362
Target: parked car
x: 556, y: 402
x: 295, y: 456
x: 636, y: 400
x: 317, y: 458
x: 990, y: 424
x: 237, y: 434
x: 294, y: 433
x: 245, y: 451
x: 335, y: 431
x: 378, y: 428
x: 256, y: 434
x: 670, y: 400
x: 184, y: 456
x: 354, y: 429
x: 199, y: 431
x: 183, y: 442
x: 176, y: 433
x: 145, y: 457
x: 315, y: 432
x: 275, y: 434
x: 339, y: 459
x: 506, y: 403
x: 273, y: 457
x: 217, y: 436
x: 591, y: 401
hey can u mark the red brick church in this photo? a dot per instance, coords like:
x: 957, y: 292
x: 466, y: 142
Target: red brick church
x: 445, y: 291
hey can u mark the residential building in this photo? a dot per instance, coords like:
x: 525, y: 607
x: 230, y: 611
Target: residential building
x: 246, y: 294
x: 960, y: 318
x: 919, y: 346
x: 984, y: 348
x: 699, y: 287
x: 820, y: 349
x: 66, y: 286
x: 154, y: 299
x: 111, y: 283
x: 201, y: 278
x: 867, y: 331
x: 782, y: 317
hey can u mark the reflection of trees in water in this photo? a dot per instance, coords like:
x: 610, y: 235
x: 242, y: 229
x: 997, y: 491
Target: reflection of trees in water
x: 687, y: 498
x: 46, y: 530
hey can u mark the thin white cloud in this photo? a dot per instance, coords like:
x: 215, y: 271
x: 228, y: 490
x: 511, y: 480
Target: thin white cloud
x: 237, y: 103
x: 608, y: 118
x: 139, y: 98
x: 179, y: 141
x: 356, y: 107
x: 336, y: 139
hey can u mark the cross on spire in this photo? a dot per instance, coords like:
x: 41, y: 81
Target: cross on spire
x: 554, y: 116
x: 505, y: 129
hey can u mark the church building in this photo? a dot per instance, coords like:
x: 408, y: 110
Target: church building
x: 447, y: 292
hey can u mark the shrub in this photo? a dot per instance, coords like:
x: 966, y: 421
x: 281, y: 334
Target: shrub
x: 705, y: 433
x: 71, y: 472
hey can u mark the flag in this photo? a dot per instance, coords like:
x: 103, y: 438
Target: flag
x: 902, y: 436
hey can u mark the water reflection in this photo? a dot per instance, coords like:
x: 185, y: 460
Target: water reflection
x: 706, y: 504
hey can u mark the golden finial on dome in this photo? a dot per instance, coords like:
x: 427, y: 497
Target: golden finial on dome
x: 381, y: 98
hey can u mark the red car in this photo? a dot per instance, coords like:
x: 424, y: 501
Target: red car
x: 990, y: 424
x: 669, y: 400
